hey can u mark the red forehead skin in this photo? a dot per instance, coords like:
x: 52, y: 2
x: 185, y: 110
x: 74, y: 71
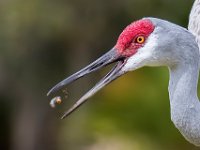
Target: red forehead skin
x: 125, y: 45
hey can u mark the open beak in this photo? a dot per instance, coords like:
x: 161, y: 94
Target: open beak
x: 108, y: 58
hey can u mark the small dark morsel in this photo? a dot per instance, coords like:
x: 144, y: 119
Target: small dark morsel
x: 55, y: 100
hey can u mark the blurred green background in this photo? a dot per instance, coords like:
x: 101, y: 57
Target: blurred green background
x: 43, y: 41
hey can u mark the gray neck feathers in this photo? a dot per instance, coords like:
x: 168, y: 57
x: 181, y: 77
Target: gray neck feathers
x: 194, y: 21
x: 184, y: 103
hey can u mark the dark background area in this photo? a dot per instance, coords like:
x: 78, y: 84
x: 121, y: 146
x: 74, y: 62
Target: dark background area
x: 43, y: 41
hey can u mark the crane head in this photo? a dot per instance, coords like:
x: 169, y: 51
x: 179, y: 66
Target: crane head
x: 145, y: 42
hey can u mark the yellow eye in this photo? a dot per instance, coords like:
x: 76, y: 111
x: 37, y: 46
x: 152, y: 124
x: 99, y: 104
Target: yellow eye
x: 140, y: 39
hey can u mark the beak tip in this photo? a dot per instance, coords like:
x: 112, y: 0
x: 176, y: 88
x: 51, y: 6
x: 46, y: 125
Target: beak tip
x: 63, y: 117
x: 56, y: 87
x: 50, y: 91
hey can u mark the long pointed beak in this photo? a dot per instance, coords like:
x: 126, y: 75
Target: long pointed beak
x: 108, y: 58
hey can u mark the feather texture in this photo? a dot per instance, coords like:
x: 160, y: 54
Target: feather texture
x: 194, y: 21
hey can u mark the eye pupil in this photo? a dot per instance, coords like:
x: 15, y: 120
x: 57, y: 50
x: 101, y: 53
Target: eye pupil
x: 140, y: 39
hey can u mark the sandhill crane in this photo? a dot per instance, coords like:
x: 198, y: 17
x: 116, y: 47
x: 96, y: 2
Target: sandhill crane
x: 156, y: 42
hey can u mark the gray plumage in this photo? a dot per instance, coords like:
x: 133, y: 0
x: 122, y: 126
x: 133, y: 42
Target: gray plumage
x: 168, y: 45
x: 194, y: 21
x: 178, y: 50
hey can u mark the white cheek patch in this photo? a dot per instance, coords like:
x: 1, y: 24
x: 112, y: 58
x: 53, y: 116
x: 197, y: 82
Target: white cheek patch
x: 143, y: 56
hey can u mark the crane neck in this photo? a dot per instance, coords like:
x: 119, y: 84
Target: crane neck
x: 183, y: 83
x: 184, y: 103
